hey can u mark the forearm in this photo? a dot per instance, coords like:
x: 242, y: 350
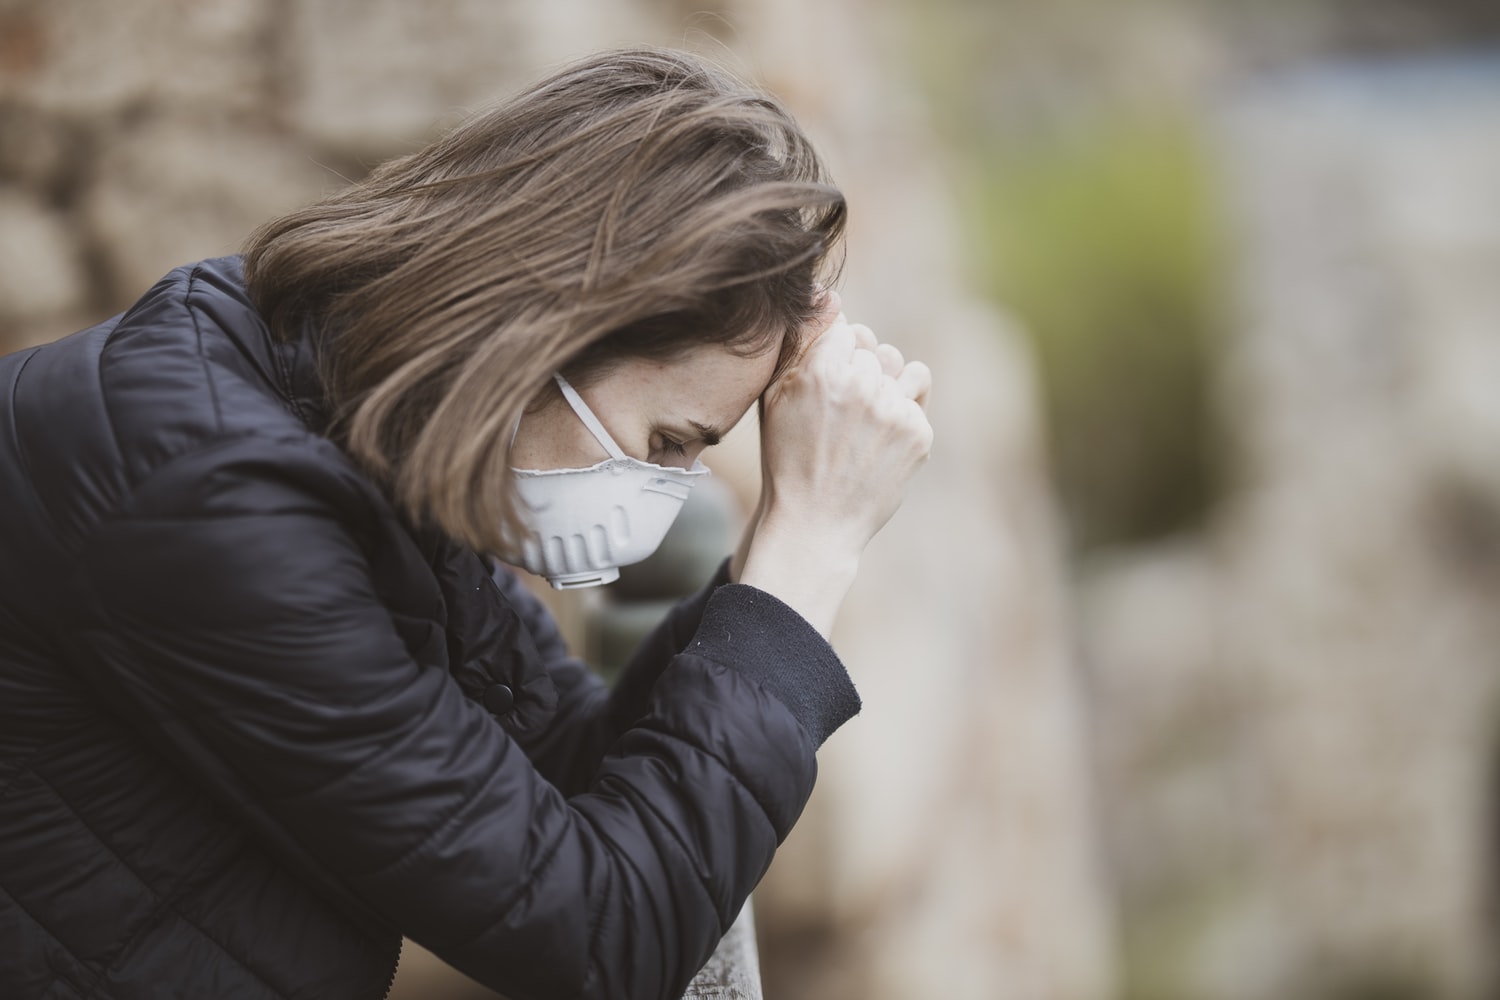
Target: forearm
x: 590, y: 718
x: 630, y: 696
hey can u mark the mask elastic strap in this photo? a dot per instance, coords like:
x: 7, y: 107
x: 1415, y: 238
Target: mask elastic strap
x: 587, y: 416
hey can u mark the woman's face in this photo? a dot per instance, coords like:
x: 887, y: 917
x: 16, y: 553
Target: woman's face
x: 661, y: 412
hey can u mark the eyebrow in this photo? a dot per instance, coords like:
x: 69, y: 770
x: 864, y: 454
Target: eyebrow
x: 710, y: 435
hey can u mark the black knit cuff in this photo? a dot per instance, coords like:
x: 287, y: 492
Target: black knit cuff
x: 746, y: 628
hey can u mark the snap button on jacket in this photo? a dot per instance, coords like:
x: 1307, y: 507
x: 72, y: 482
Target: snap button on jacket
x: 254, y: 726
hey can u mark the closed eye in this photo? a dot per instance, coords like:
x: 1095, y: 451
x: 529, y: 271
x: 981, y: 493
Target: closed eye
x: 666, y: 450
x: 680, y: 442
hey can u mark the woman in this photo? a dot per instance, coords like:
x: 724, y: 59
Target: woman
x: 264, y: 707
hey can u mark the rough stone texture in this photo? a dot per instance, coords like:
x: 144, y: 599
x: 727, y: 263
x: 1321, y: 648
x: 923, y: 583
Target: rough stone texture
x: 175, y: 189
x: 40, y: 276
x: 733, y: 973
x: 1297, y: 713
x: 39, y: 151
x: 371, y: 76
x: 81, y: 57
x: 367, y: 76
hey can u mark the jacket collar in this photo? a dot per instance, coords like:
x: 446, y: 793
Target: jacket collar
x: 299, y: 378
x: 287, y: 367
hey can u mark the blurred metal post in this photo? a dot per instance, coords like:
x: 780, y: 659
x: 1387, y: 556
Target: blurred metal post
x: 688, y: 557
x: 733, y: 973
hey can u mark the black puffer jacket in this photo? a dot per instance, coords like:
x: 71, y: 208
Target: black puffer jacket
x: 253, y: 727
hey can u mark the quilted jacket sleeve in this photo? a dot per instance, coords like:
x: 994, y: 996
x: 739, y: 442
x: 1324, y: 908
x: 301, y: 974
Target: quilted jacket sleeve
x: 590, y: 717
x: 232, y: 597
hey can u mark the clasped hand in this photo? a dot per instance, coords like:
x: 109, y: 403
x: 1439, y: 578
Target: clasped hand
x: 842, y: 433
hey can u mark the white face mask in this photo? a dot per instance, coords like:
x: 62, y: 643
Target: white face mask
x: 586, y: 523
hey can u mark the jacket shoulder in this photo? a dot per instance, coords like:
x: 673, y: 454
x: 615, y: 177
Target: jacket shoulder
x: 97, y: 413
x: 190, y: 362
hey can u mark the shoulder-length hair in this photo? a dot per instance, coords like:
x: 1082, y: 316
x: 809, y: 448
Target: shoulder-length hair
x: 639, y: 203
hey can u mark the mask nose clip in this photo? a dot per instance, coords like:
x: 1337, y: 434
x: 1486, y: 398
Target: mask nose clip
x: 666, y: 487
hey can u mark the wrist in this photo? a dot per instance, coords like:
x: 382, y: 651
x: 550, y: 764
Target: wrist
x: 809, y: 569
x: 747, y: 537
x: 833, y: 544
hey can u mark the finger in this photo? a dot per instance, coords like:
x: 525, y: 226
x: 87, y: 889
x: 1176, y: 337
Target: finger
x: 828, y: 316
x: 891, y: 361
x: 864, y: 337
x: 826, y: 313
x: 836, y: 343
x: 915, y: 382
x: 830, y: 305
x: 921, y: 429
x: 866, y: 368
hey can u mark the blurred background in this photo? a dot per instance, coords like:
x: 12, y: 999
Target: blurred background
x: 1182, y: 662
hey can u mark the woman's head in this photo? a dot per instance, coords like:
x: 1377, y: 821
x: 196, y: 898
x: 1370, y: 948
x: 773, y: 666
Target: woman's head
x: 638, y: 206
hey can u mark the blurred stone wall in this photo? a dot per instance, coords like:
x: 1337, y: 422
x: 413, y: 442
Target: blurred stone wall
x: 1297, y: 712
x: 949, y: 850
x: 952, y: 851
x: 135, y: 137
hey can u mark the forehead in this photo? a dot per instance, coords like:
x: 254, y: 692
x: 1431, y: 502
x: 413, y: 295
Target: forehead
x: 711, y: 384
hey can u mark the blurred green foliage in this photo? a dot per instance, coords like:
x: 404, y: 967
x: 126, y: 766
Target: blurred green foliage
x: 1160, y: 944
x: 1094, y: 218
x: 1104, y: 239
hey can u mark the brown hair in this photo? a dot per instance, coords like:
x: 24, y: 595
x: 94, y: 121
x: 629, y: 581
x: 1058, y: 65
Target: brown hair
x: 640, y: 202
